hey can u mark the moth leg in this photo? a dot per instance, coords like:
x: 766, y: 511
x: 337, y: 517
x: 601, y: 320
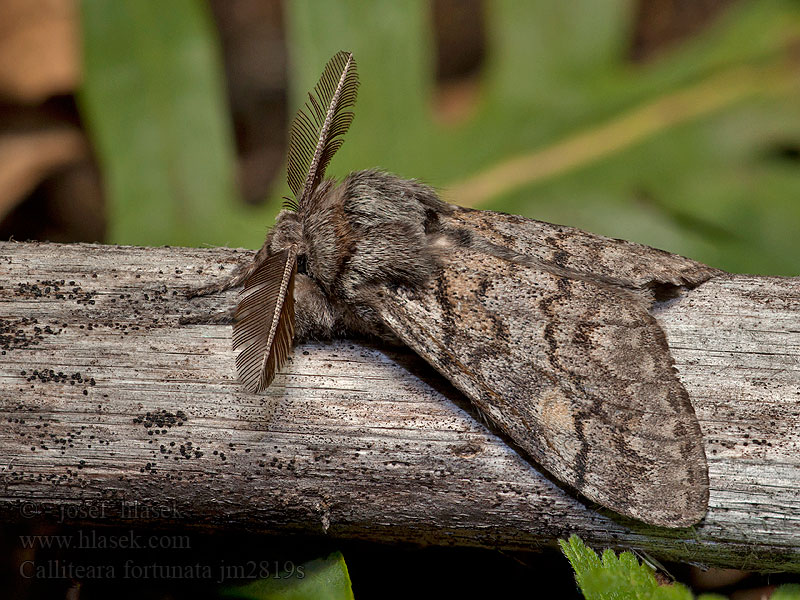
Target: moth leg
x: 218, y: 318
x: 235, y: 279
x: 231, y: 281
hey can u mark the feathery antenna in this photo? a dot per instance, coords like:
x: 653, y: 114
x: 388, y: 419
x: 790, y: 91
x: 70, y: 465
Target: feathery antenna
x: 264, y: 320
x: 317, y: 131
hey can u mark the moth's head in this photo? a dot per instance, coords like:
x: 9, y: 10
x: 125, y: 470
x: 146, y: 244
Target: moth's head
x: 310, y: 231
x: 287, y: 233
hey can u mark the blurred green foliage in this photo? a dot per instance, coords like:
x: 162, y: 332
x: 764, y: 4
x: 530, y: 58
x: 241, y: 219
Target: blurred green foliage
x: 153, y: 100
x: 319, y: 579
x: 695, y: 152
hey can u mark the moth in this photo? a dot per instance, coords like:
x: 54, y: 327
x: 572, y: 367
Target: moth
x: 546, y: 329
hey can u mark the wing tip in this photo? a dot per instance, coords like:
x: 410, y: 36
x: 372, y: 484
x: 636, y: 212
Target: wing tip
x: 672, y: 519
x: 674, y: 505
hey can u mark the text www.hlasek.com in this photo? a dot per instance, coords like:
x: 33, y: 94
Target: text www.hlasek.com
x: 91, y: 540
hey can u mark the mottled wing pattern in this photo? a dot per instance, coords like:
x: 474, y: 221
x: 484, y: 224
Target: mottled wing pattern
x: 570, y: 248
x: 576, y: 372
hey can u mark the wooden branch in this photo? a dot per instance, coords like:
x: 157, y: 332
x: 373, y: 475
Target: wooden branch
x: 109, y: 403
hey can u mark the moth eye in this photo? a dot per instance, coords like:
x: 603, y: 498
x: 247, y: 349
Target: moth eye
x: 302, y: 264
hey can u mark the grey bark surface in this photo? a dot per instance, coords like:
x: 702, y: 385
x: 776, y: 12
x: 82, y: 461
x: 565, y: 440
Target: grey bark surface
x: 114, y: 391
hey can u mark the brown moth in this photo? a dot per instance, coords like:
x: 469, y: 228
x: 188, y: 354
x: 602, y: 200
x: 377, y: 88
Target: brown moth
x: 547, y: 329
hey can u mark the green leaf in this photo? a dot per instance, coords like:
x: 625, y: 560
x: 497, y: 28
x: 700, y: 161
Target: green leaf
x: 321, y: 579
x: 615, y: 577
x: 153, y: 100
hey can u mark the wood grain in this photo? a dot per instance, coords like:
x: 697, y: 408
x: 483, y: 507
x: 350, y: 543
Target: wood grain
x: 115, y: 389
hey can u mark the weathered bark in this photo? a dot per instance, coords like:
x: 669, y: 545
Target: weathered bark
x: 109, y: 395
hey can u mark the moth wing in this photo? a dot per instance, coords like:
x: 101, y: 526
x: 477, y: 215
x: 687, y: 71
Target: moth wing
x: 577, y: 373
x: 570, y: 248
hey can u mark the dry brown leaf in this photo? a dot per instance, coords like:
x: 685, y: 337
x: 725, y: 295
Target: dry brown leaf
x: 715, y: 578
x: 28, y: 158
x: 760, y: 593
x: 39, y: 49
